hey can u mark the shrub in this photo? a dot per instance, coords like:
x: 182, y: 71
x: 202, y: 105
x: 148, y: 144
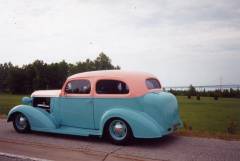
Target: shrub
x: 232, y: 127
x: 198, y: 97
x: 187, y: 126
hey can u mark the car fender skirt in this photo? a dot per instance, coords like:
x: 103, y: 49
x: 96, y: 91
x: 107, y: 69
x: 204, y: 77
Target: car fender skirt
x: 38, y: 118
x: 141, y: 124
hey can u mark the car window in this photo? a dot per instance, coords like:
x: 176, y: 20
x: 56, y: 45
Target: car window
x: 111, y: 87
x: 152, y: 83
x: 78, y: 87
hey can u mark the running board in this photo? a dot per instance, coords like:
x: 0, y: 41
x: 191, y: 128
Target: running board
x: 70, y: 131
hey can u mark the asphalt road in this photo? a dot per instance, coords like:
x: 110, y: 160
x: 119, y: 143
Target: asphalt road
x: 61, y: 147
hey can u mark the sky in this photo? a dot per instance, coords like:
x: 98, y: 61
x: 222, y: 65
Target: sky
x: 182, y: 42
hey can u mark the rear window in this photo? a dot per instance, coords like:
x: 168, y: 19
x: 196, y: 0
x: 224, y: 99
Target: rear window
x: 152, y: 83
x: 111, y: 87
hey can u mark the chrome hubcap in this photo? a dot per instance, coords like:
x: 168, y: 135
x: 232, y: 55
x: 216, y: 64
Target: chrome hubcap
x: 21, y: 122
x: 118, y: 129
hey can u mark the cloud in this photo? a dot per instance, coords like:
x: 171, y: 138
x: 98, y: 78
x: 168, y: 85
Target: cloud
x: 181, y: 42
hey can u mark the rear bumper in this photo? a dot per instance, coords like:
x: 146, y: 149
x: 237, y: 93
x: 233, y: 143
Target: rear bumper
x: 173, y: 128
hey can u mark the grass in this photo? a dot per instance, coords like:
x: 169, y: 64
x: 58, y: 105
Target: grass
x: 8, y: 101
x: 207, y: 117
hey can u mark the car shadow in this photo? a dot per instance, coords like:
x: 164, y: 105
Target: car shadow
x: 163, y: 141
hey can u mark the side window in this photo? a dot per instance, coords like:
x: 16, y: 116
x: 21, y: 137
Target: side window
x: 111, y: 87
x: 152, y: 83
x: 78, y: 87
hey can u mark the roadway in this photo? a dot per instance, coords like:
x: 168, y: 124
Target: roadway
x: 41, y: 146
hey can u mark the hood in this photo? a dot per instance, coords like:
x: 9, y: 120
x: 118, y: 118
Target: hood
x: 46, y: 93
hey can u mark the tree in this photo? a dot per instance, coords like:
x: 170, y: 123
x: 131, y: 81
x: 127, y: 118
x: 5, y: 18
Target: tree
x: 192, y: 90
x: 3, y: 75
x: 56, y: 74
x: 40, y: 75
x: 15, y: 80
x: 103, y: 62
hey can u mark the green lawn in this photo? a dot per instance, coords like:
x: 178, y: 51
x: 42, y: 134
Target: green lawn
x: 209, y: 115
x: 206, y: 115
x: 8, y: 101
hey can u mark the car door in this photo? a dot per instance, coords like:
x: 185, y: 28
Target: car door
x: 76, y: 104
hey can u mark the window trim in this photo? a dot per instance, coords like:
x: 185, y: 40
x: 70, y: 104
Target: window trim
x: 111, y: 94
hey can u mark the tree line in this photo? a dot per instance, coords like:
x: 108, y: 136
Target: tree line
x: 228, y: 93
x: 40, y: 75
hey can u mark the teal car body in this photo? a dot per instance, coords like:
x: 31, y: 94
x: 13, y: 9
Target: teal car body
x: 150, y: 113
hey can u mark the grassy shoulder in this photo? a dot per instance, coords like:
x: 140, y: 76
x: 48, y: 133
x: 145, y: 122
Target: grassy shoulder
x: 8, y: 101
x: 210, y: 118
x: 202, y: 118
x: 206, y: 134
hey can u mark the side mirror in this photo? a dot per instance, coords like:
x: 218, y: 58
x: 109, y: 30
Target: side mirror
x: 27, y: 100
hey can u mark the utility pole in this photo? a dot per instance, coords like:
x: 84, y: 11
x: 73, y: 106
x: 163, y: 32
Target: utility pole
x: 221, y: 83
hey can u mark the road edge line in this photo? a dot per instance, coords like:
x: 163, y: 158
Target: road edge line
x: 22, y: 157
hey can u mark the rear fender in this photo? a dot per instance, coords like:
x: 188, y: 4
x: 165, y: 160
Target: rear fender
x: 141, y: 124
x: 38, y: 118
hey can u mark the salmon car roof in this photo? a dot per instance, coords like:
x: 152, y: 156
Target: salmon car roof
x: 113, y: 73
x: 134, y: 80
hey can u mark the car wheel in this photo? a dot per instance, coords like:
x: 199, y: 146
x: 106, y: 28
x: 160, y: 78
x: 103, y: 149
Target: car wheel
x: 119, y: 132
x: 20, y: 123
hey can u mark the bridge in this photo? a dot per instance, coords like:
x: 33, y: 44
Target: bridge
x: 206, y: 87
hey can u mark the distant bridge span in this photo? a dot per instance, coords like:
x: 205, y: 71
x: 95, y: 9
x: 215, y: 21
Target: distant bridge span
x: 226, y: 86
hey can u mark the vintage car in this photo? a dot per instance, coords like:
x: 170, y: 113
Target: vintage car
x: 117, y: 104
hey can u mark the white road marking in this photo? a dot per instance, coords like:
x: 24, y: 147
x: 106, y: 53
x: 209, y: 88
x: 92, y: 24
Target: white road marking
x: 22, y: 157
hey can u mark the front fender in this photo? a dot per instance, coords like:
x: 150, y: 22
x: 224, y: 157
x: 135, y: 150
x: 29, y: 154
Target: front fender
x: 142, y: 125
x: 38, y: 118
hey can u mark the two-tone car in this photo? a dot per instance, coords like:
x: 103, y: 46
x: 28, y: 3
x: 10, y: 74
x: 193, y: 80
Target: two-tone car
x: 120, y: 105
